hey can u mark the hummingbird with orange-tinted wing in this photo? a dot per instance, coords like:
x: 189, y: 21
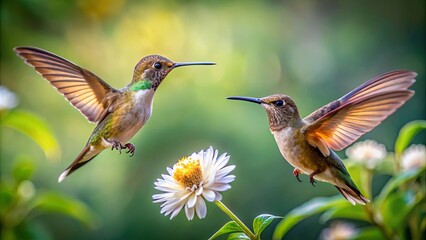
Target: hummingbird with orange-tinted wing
x: 119, y: 113
x: 308, y: 143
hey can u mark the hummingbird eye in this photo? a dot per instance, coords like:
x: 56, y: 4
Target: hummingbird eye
x: 157, y: 65
x: 279, y: 103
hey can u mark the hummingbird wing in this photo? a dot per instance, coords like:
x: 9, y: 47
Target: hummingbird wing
x: 83, y: 89
x: 341, y: 122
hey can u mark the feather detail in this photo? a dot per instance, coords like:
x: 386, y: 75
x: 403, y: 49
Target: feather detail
x: 83, y: 89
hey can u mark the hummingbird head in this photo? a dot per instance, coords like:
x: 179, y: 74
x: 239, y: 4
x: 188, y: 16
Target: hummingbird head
x: 154, y: 68
x: 281, y: 109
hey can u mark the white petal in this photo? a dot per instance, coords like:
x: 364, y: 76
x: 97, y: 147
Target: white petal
x: 162, y: 196
x: 218, y: 196
x: 220, y: 187
x: 176, y: 211
x: 168, y: 177
x: 189, y: 212
x: 184, y: 195
x: 191, y: 201
x: 201, y: 208
x: 208, y: 156
x: 199, y: 191
x: 225, y: 171
x: 226, y: 179
x: 222, y: 161
x: 168, y: 207
x: 209, y: 179
x: 209, y: 195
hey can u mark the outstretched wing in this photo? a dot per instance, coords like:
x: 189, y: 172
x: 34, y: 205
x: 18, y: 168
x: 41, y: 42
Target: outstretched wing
x: 83, y: 89
x: 343, y: 121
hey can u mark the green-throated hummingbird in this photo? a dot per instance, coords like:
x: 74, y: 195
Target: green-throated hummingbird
x: 119, y: 113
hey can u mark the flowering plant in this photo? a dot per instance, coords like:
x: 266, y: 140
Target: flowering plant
x: 396, y: 212
x: 199, y: 178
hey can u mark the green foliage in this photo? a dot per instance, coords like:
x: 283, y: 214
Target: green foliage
x: 397, y: 181
x: 261, y: 222
x: 368, y: 233
x: 237, y: 236
x: 52, y: 202
x: 398, y: 206
x: 35, y: 128
x: 20, y: 200
x: 356, y: 212
x: 407, y: 133
x: 235, y: 231
x: 228, y: 228
x: 312, y: 207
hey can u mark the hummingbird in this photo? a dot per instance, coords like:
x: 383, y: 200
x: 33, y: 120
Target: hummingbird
x: 308, y: 143
x: 118, y: 113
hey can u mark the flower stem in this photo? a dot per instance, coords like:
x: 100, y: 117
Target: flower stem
x: 236, y: 219
x: 371, y: 214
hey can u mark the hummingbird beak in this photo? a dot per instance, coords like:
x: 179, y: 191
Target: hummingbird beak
x: 182, y: 64
x: 247, y: 99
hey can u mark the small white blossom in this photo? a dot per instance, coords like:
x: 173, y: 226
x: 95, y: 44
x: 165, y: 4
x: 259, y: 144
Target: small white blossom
x: 413, y: 157
x: 8, y: 99
x: 201, y: 176
x: 338, y: 231
x: 369, y: 152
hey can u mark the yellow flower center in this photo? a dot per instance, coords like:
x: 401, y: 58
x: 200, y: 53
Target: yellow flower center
x: 188, y: 172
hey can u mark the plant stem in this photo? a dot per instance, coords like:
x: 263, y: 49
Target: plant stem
x: 236, y: 219
x: 366, y: 182
x: 371, y: 214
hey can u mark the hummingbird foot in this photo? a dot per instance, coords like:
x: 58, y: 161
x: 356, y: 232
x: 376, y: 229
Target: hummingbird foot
x: 296, y: 174
x: 311, y: 177
x: 117, y: 145
x: 131, y: 148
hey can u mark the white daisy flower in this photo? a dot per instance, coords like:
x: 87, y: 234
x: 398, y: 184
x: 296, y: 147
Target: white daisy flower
x: 413, y: 157
x: 369, y: 152
x: 201, y: 176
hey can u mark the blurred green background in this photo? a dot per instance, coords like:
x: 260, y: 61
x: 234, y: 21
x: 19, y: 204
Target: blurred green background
x: 314, y: 51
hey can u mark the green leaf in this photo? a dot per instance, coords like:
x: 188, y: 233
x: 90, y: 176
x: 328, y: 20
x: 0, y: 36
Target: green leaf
x: 405, y: 202
x: 50, y: 202
x: 261, y: 222
x: 314, y: 206
x: 355, y: 212
x: 237, y: 236
x: 355, y: 170
x: 23, y: 169
x: 393, y: 218
x: 407, y: 133
x: 35, y: 128
x: 368, y: 233
x: 7, y: 196
x: 387, y: 166
x: 229, y: 227
x: 397, y: 181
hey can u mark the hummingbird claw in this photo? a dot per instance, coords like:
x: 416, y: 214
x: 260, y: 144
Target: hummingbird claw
x: 117, y: 145
x: 131, y: 148
x: 311, y: 177
x: 296, y: 174
x: 312, y: 180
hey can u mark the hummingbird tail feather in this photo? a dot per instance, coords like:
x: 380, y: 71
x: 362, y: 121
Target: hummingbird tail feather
x: 353, y: 195
x: 84, y: 157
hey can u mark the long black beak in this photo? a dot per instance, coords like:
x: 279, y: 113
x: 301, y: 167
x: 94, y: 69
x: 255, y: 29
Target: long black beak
x: 182, y: 64
x: 247, y: 99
